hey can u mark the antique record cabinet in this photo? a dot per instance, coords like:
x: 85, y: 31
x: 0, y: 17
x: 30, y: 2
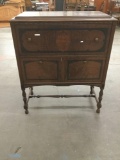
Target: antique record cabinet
x: 63, y: 48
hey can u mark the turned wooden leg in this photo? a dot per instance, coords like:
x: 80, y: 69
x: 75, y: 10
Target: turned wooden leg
x: 91, y: 89
x: 25, y: 101
x: 99, y: 105
x: 31, y: 90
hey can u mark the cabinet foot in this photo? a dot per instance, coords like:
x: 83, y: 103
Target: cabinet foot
x: 98, y: 110
x: 99, y: 105
x: 26, y: 111
x: 25, y: 100
x: 91, y: 89
x: 31, y: 90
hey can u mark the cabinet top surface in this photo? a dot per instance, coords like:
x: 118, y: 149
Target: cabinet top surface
x: 63, y: 16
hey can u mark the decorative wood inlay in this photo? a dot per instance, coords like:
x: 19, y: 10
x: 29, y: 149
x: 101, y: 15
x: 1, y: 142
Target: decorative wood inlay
x: 41, y: 70
x: 84, y: 70
x: 97, y: 40
x: 63, y: 40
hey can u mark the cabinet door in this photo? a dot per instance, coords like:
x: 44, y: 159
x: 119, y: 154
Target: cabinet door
x: 40, y: 70
x: 85, y: 70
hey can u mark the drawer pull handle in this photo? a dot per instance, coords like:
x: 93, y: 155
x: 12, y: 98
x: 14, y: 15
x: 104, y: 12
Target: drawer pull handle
x: 96, y: 39
x: 29, y: 39
x: 36, y: 35
x: 81, y: 41
x: 84, y: 61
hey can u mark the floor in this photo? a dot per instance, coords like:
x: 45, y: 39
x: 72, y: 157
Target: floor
x: 58, y: 129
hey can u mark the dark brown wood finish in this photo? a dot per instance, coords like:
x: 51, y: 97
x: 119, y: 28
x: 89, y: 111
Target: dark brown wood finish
x: 63, y: 48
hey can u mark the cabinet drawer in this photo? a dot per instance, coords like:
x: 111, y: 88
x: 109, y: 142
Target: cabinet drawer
x: 40, y: 70
x: 85, y: 70
x: 63, y: 41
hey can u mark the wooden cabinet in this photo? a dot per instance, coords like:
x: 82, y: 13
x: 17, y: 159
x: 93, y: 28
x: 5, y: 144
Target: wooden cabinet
x: 102, y: 5
x: 63, y: 48
x: 11, y: 9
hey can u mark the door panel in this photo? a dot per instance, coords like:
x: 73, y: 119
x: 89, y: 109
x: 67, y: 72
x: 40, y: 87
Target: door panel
x: 85, y: 70
x: 40, y: 70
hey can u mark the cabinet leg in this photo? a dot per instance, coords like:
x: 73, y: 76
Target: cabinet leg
x: 99, y: 105
x: 31, y: 90
x: 25, y: 101
x: 91, y: 89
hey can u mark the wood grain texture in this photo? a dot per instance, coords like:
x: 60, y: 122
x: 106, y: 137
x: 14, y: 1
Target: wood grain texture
x: 53, y: 51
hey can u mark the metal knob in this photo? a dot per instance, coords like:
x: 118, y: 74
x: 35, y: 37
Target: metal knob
x: 40, y: 62
x: 29, y: 39
x: 96, y: 39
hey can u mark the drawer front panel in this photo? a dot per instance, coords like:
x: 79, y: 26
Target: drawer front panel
x: 63, y: 39
x: 85, y: 70
x: 40, y: 70
x: 49, y: 41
